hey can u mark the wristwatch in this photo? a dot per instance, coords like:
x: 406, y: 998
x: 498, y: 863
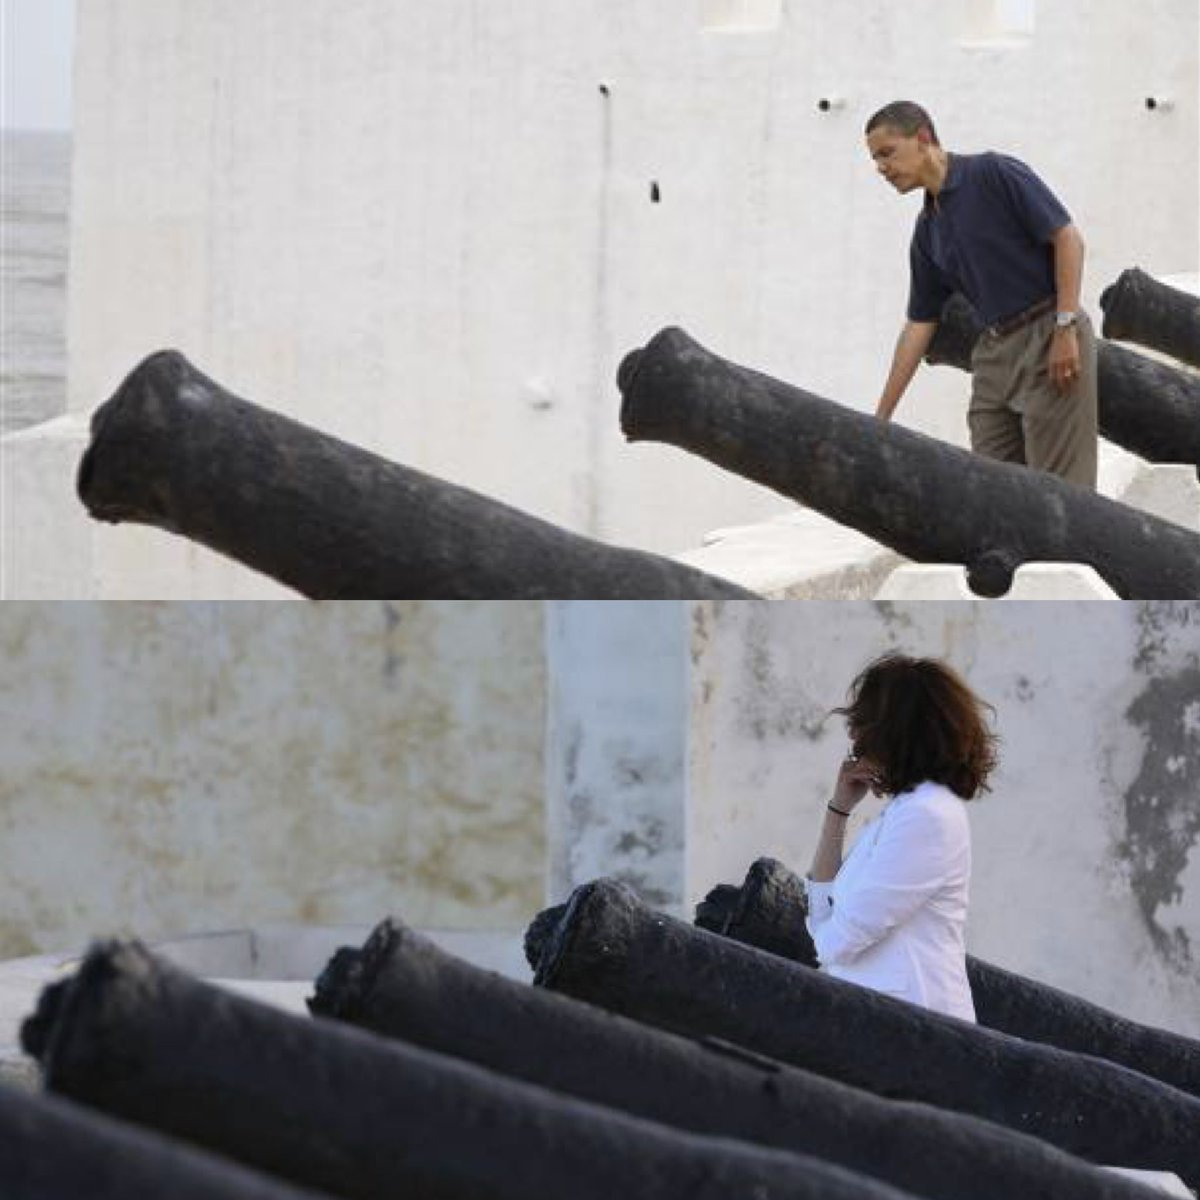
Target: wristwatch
x: 1065, y: 320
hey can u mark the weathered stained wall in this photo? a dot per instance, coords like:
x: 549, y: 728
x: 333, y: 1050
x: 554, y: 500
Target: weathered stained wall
x: 616, y: 746
x: 398, y: 220
x: 1087, y: 851
x: 168, y: 768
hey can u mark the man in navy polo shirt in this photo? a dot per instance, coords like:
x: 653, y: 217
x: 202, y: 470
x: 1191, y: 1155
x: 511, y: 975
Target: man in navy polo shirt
x: 991, y: 229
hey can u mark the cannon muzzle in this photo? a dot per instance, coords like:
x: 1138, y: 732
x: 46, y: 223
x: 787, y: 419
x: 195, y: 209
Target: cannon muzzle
x: 768, y: 910
x: 925, y: 499
x: 175, y: 450
x: 613, y: 951
x: 1148, y: 407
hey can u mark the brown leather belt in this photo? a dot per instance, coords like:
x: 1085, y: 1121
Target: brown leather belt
x: 1040, y: 309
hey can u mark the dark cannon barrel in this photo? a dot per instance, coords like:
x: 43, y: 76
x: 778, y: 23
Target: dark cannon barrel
x: 52, y: 1149
x: 333, y: 1107
x: 175, y: 450
x: 610, y: 949
x: 401, y: 985
x: 768, y: 911
x: 1148, y: 407
x: 925, y: 499
x: 1138, y: 308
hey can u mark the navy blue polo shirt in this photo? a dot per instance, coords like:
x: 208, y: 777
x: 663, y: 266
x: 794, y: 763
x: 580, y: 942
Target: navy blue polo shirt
x: 987, y: 235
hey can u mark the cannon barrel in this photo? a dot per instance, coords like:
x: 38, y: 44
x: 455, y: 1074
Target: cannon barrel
x: 173, y: 449
x: 340, y: 1109
x: 927, y: 500
x: 610, y: 949
x: 51, y: 1149
x: 1138, y: 308
x: 1148, y: 407
x: 401, y: 985
x: 769, y: 909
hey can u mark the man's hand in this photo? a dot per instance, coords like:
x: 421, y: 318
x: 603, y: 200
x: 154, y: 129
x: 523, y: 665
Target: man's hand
x: 911, y: 345
x: 1064, y: 360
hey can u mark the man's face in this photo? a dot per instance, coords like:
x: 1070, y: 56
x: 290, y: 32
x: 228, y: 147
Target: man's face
x: 899, y: 157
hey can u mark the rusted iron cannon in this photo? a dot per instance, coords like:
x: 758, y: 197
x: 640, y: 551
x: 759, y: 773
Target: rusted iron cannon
x: 401, y: 985
x: 333, y: 1107
x: 1148, y: 407
x: 768, y: 911
x: 1138, y: 308
x: 927, y: 500
x: 51, y: 1149
x: 610, y: 949
x: 175, y: 450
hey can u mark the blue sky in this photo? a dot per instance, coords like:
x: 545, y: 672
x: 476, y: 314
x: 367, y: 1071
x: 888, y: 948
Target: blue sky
x: 38, y: 36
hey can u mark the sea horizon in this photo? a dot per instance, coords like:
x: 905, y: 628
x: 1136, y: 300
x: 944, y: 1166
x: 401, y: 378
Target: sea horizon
x: 34, y: 236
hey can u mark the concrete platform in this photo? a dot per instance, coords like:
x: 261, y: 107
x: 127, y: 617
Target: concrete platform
x: 798, y: 555
x: 803, y: 555
x: 1034, y: 581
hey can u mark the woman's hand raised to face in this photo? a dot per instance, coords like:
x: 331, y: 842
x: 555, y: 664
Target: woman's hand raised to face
x: 855, y: 778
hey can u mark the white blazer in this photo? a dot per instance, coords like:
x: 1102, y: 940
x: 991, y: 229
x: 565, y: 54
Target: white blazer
x: 894, y: 917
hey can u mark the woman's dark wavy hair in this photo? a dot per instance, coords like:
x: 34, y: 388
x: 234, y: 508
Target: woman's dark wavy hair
x: 917, y: 720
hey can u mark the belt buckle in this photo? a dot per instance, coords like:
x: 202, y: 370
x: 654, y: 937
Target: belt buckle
x: 1021, y: 319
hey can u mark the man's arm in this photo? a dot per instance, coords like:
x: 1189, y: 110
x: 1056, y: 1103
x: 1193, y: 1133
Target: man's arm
x: 911, y: 345
x: 1068, y: 282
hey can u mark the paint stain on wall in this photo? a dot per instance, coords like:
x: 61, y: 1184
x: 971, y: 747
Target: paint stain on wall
x: 896, y: 621
x: 1159, y: 622
x: 776, y: 705
x: 1162, y: 804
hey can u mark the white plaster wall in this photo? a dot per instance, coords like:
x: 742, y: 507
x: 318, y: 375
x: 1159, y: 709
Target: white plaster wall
x: 1087, y: 851
x: 616, y: 746
x: 166, y: 769
x: 172, y: 768
x: 425, y: 227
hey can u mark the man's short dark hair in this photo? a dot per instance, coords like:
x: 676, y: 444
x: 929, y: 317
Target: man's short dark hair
x: 906, y: 116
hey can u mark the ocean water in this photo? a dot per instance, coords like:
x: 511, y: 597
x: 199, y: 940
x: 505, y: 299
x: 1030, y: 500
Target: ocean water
x: 35, y: 186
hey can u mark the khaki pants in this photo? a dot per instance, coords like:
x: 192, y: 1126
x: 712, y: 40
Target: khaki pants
x: 1016, y: 413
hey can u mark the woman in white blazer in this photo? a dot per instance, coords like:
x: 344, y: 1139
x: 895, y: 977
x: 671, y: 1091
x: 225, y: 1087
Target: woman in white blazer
x: 891, y: 914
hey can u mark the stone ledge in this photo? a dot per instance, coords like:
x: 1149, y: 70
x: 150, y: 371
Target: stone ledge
x: 1034, y: 581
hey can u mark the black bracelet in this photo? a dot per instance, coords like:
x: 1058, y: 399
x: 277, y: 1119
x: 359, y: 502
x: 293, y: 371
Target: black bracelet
x: 837, y: 810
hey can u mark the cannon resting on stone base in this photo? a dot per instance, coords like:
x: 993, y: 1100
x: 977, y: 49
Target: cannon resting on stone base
x: 1147, y: 407
x: 400, y: 985
x: 332, y: 1107
x: 175, y: 450
x: 768, y: 910
x: 604, y: 946
x: 925, y: 499
x: 52, y: 1149
x: 1138, y: 308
